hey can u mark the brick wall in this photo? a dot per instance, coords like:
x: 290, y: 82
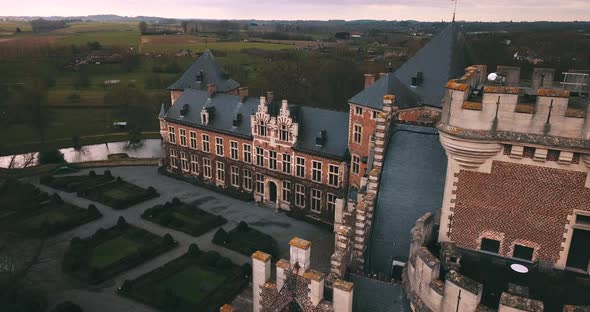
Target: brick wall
x: 369, y: 125
x: 516, y: 203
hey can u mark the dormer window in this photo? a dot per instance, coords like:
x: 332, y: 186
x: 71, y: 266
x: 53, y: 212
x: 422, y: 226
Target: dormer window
x: 261, y: 128
x: 204, y: 117
x: 284, y: 133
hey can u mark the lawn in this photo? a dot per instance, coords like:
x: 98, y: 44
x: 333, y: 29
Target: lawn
x: 111, y: 251
x: 183, y: 217
x: 194, y: 283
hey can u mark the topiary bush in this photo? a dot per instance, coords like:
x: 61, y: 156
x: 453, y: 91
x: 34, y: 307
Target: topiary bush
x: 56, y: 198
x: 126, y: 286
x: 168, y: 240
x: 92, y: 173
x: 121, y: 222
x: 242, y: 226
x: 175, y: 201
x: 67, y: 306
x: 92, y: 209
x: 151, y: 190
x: 193, y: 250
x: 107, y: 173
x: 220, y: 237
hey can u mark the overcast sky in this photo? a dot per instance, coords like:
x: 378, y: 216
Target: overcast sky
x: 424, y: 10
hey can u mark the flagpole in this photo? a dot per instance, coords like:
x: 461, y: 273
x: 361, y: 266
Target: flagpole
x: 455, y: 10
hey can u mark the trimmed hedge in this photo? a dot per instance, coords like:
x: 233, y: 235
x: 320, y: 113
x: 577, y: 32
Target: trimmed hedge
x: 246, y: 240
x: 183, y: 217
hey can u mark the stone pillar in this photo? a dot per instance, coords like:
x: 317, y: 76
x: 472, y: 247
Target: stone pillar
x: 300, y: 254
x: 316, y: 286
x: 283, y: 267
x: 461, y: 293
x: 338, y: 212
x: 260, y: 275
x: 342, y: 297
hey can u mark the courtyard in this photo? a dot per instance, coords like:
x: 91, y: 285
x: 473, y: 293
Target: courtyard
x: 104, y: 295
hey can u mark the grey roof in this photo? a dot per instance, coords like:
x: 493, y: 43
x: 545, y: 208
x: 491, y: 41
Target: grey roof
x: 377, y: 296
x: 441, y: 59
x: 162, y: 111
x: 213, y: 73
x: 225, y: 107
x: 412, y: 184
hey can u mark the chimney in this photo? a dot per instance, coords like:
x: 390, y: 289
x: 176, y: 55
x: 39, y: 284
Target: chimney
x: 260, y: 275
x: 269, y: 96
x: 369, y: 80
x: 211, y: 89
x: 300, y: 254
x: 342, y: 296
x: 243, y: 93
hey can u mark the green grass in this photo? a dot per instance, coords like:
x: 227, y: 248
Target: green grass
x: 182, y: 217
x: 223, y: 46
x: 112, y: 251
x: 51, y: 216
x: 116, y: 193
x: 105, y: 38
x: 193, y: 284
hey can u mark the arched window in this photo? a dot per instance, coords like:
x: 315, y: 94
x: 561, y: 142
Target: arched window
x: 284, y: 133
x: 261, y: 128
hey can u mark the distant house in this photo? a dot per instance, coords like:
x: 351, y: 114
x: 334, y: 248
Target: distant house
x: 356, y: 34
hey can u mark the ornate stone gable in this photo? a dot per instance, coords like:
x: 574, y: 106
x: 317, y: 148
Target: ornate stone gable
x: 281, y: 129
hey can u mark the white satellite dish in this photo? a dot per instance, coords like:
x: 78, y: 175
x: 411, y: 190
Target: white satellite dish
x: 492, y: 77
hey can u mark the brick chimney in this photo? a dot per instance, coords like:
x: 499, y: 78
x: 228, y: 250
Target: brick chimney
x: 369, y: 80
x: 211, y: 89
x: 269, y: 96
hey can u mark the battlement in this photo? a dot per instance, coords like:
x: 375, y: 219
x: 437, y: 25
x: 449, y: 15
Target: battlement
x: 539, y: 106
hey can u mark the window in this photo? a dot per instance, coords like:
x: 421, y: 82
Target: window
x: 299, y: 195
x: 284, y: 133
x: 193, y: 136
x: 523, y: 252
x: 220, y: 172
x: 358, y: 110
x: 356, y: 164
x: 582, y: 219
x: 259, y: 183
x: 272, y: 160
x: 287, y: 163
x: 286, y: 192
x: 247, y: 180
x: 219, y: 146
x: 184, y: 161
x: 490, y: 245
x: 316, y: 171
x: 194, y: 164
x: 356, y: 135
x: 233, y: 146
x: 259, y: 156
x: 331, y: 202
x: 247, y: 153
x: 207, y: 168
x: 333, y: 174
x: 373, y: 114
x: 300, y: 167
x: 235, y: 176
x: 182, y: 137
x: 261, y: 127
x: 172, y: 135
x: 316, y: 200
x: 206, y: 146
x: 173, y: 158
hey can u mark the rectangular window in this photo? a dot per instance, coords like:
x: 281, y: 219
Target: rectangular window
x: 247, y: 180
x: 193, y: 137
x: 286, y: 192
x: 490, y: 245
x: 235, y: 176
x: 182, y: 137
x: 358, y: 110
x: 316, y: 171
x: 523, y: 252
x: 373, y: 114
x: 300, y: 167
x: 220, y: 176
x: 259, y: 183
x: 356, y: 164
x: 233, y: 146
x: 184, y: 161
x: 357, y: 133
x: 219, y: 146
x: 272, y: 160
x: 259, y: 157
x: 261, y: 128
x: 194, y: 164
x: 172, y: 135
x: 173, y: 158
x: 287, y: 163
x: 247, y: 153
x: 205, y: 142
x: 207, y: 168
x: 299, y: 195
x: 334, y: 172
x: 331, y: 202
x: 284, y: 133
x: 316, y: 200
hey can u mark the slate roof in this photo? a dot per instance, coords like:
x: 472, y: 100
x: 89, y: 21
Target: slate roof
x: 377, y: 296
x: 225, y: 107
x: 213, y: 73
x: 441, y: 59
x: 412, y: 183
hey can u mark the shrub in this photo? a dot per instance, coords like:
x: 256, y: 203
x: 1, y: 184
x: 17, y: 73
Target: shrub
x: 242, y: 226
x: 67, y: 306
x: 246, y: 269
x: 175, y: 201
x: 168, y: 240
x: 99, y: 233
x: 220, y: 237
x: 56, y: 198
x: 119, y: 180
x: 151, y: 190
x: 92, y: 173
x: 107, y: 173
x: 92, y: 209
x: 51, y: 157
x: 193, y: 250
x: 75, y: 241
x: 126, y: 286
x: 210, y: 257
x: 223, y: 263
x: 121, y: 222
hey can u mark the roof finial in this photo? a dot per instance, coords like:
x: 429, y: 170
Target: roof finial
x: 455, y: 9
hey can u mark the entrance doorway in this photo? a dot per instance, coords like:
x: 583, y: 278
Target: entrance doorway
x: 272, y: 192
x: 579, y: 254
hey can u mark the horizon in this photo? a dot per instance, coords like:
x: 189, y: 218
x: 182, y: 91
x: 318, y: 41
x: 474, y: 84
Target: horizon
x: 309, y: 10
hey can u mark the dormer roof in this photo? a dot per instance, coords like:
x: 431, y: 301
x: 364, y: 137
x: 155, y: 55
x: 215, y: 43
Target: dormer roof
x: 205, y: 70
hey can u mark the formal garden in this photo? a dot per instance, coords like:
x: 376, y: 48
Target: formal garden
x: 105, y: 189
x: 196, y: 281
x: 24, y: 208
x: 110, y: 251
x: 183, y: 217
x: 246, y: 240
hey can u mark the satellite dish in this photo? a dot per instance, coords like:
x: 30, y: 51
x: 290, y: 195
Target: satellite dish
x: 492, y: 77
